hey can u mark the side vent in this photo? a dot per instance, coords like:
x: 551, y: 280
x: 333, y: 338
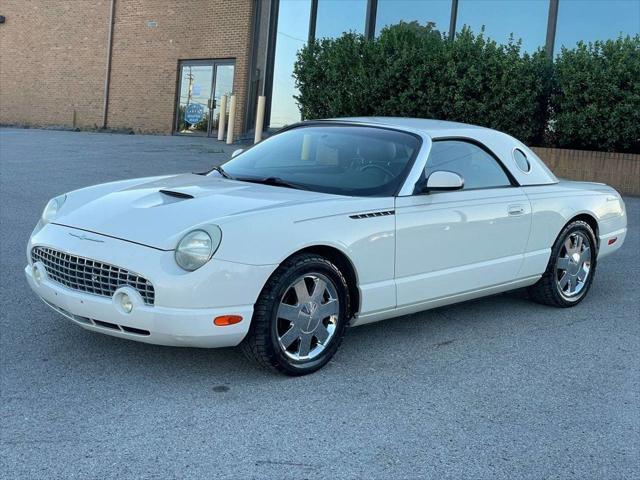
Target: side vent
x: 360, y: 216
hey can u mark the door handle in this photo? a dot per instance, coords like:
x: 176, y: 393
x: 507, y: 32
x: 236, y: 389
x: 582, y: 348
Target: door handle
x: 516, y: 209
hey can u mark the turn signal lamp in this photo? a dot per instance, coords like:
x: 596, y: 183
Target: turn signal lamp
x: 226, y: 320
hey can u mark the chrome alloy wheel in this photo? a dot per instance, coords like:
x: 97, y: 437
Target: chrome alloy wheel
x: 573, y: 265
x: 307, y: 316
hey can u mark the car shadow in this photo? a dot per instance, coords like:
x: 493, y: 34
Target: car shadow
x: 218, y: 369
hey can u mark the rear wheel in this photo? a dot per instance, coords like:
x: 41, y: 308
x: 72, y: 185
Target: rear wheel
x: 300, y: 316
x: 571, y: 267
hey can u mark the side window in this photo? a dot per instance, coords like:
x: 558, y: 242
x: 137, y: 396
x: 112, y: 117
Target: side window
x: 472, y: 163
x: 521, y: 160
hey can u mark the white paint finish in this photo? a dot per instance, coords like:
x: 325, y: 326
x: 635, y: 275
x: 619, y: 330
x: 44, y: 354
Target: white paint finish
x: 534, y: 263
x: 217, y: 284
x: 127, y: 211
x: 554, y: 205
x: 442, y: 301
x: 368, y: 243
x: 179, y: 327
x: 436, y: 249
x: 618, y: 236
x: 459, y: 241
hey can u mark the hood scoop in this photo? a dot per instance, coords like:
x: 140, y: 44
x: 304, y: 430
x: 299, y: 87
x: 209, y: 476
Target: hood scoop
x: 159, y: 198
x: 174, y: 194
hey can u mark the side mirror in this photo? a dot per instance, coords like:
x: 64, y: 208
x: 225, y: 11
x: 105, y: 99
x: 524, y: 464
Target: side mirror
x: 237, y: 152
x: 442, y: 181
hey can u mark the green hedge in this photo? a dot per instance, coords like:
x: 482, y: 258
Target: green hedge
x: 596, y: 99
x: 415, y: 71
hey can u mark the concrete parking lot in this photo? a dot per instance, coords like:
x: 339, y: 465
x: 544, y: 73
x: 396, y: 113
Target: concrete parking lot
x: 495, y: 388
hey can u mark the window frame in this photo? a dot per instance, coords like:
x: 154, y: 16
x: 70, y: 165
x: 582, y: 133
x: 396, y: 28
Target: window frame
x: 198, y: 62
x: 512, y: 180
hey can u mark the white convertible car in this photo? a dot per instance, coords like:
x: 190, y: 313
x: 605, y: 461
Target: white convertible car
x: 323, y: 225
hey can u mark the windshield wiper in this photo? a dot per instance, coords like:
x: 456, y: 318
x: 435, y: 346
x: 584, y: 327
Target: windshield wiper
x: 275, y: 181
x: 221, y: 171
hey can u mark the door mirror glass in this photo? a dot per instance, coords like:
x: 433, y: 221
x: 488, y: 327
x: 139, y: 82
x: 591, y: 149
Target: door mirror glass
x: 237, y: 152
x: 443, y: 180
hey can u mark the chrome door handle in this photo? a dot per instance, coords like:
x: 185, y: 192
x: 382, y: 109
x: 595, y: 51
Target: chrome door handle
x: 516, y: 209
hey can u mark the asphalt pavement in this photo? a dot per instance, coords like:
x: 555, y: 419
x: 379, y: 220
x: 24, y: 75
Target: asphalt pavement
x: 495, y: 388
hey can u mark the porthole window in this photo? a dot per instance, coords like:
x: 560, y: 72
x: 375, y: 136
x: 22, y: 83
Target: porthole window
x: 521, y: 160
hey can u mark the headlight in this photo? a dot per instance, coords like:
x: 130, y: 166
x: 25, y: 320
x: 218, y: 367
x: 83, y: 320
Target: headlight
x: 51, y: 209
x: 197, y: 247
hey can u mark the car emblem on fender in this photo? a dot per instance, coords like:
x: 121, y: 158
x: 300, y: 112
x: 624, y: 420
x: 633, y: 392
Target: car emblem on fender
x: 82, y: 236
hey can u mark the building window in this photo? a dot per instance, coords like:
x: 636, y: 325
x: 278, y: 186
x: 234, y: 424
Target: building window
x: 201, y: 86
x: 336, y: 17
x: 595, y: 20
x: 291, y: 36
x: 437, y: 12
x: 525, y: 19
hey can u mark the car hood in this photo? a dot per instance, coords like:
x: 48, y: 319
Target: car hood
x: 158, y: 212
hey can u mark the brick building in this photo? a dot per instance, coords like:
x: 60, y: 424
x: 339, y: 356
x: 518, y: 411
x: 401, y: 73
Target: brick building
x: 162, y: 66
x: 54, y: 59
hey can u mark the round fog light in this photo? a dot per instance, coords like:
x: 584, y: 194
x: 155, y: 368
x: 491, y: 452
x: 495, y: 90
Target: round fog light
x: 126, y: 303
x: 37, y: 274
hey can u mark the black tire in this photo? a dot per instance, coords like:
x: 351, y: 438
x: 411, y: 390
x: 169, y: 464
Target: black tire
x: 261, y: 343
x: 547, y: 290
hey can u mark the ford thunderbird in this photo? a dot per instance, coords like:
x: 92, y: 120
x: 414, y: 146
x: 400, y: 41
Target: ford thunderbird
x: 324, y: 225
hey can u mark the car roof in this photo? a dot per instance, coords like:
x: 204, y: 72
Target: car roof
x: 500, y: 144
x: 433, y: 128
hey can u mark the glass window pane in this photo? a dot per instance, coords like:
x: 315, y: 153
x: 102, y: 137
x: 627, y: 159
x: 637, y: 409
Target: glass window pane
x: 521, y: 160
x: 292, y: 35
x: 194, y: 99
x: 595, y: 20
x: 347, y: 160
x: 338, y: 16
x: 477, y: 168
x: 223, y: 85
x: 391, y: 12
x: 526, y: 19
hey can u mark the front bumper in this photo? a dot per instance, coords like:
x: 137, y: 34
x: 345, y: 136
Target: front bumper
x: 185, y: 303
x: 179, y: 327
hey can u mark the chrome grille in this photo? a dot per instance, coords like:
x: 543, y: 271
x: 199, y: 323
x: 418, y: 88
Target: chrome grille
x: 91, y: 276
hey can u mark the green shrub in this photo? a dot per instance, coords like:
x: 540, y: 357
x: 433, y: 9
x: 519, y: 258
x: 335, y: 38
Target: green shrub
x: 332, y: 77
x: 590, y: 97
x: 496, y: 86
x: 414, y: 71
x: 596, y: 99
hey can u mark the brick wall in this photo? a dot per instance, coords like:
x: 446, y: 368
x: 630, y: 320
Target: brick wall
x: 145, y: 59
x: 52, y: 61
x: 53, y: 58
x: 620, y: 170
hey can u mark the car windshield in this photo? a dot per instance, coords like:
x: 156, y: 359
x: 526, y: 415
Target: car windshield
x: 339, y: 159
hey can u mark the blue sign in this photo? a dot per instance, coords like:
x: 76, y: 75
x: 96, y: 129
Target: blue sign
x: 193, y: 113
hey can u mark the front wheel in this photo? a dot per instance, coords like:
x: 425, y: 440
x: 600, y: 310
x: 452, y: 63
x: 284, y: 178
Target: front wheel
x: 571, y: 267
x: 300, y: 316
